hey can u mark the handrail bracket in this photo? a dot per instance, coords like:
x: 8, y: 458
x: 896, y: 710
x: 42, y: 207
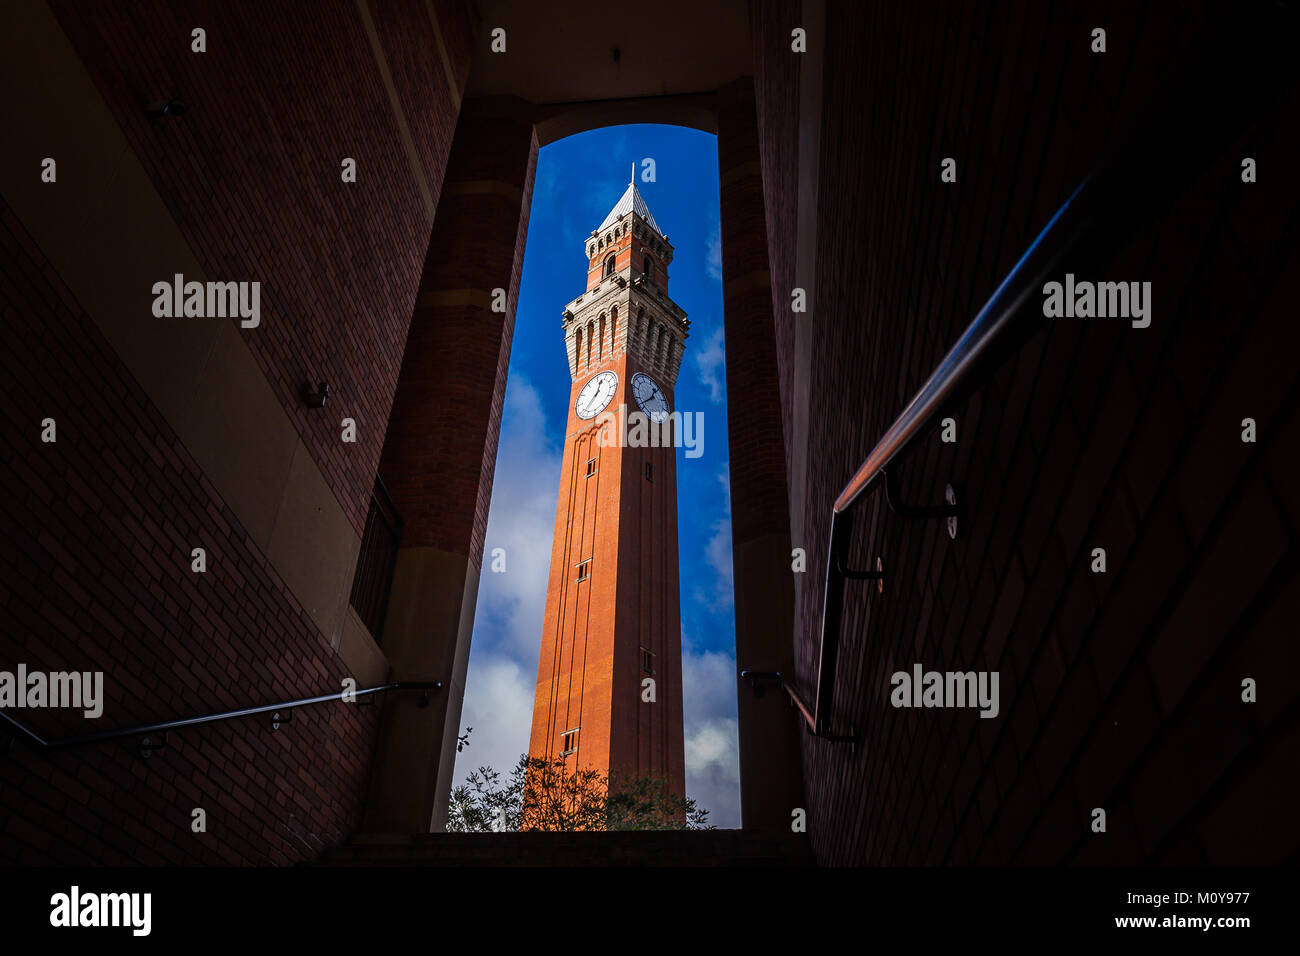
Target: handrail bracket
x: 811, y: 724
x: 894, y: 498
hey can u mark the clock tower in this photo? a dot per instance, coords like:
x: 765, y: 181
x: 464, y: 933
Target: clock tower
x: 609, y: 678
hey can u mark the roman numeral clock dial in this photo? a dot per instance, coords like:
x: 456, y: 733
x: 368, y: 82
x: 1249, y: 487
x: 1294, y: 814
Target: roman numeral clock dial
x: 650, y: 397
x: 595, y: 395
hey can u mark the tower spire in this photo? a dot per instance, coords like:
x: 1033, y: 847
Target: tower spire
x: 632, y: 181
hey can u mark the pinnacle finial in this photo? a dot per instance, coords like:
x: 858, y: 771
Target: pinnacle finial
x: 632, y: 181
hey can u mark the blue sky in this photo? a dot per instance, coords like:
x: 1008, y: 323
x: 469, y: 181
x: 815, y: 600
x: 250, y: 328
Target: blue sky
x: 579, y: 179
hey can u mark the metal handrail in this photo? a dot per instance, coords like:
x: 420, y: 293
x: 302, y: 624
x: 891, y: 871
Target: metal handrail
x: 34, y: 739
x: 1245, y: 67
x: 976, y: 345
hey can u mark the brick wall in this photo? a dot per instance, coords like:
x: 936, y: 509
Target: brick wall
x: 251, y: 174
x: 757, y: 447
x: 628, y: 250
x: 477, y: 246
x: 94, y: 557
x: 1122, y: 690
x: 94, y: 524
x: 776, y: 83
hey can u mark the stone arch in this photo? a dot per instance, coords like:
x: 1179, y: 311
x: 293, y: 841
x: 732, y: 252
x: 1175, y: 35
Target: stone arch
x: 691, y: 110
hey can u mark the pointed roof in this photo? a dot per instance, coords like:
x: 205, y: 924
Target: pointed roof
x: 632, y: 201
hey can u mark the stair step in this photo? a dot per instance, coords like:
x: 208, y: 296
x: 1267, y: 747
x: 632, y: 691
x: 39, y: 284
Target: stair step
x: 623, y: 848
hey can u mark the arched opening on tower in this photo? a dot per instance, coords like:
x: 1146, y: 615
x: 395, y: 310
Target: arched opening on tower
x: 604, y: 613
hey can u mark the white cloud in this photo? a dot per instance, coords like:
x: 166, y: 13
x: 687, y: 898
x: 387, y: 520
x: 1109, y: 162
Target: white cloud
x: 499, y: 706
x: 713, y: 253
x: 544, y: 183
x: 718, y: 553
x: 719, y: 593
x: 508, y: 618
x: 712, y: 757
x: 711, y: 362
x: 522, y: 523
x: 708, y: 684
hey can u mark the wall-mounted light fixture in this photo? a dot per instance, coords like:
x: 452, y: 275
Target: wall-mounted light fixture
x: 162, y: 108
x: 317, y: 398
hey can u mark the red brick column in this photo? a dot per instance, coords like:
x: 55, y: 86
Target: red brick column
x: 770, y: 783
x: 440, y: 451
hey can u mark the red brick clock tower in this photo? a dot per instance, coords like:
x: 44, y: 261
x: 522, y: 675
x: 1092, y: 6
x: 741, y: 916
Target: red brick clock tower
x: 612, y: 613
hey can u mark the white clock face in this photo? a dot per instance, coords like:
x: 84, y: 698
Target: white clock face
x: 595, y: 395
x: 650, y: 397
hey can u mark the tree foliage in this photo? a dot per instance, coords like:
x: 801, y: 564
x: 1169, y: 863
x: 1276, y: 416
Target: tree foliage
x: 540, y: 794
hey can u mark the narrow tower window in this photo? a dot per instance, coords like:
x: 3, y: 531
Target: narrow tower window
x: 609, y: 265
x: 647, y: 660
x: 591, y: 467
x: 584, y: 570
x: 649, y: 268
x: 569, y: 742
x: 649, y: 471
